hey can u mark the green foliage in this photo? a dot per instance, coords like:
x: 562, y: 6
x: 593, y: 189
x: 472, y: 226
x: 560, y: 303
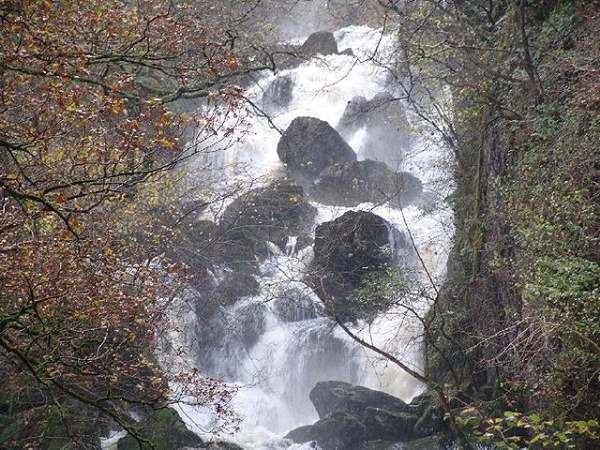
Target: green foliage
x: 379, y: 291
x: 514, y: 430
x: 571, y: 289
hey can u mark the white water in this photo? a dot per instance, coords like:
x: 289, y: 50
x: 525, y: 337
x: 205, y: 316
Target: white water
x: 296, y: 346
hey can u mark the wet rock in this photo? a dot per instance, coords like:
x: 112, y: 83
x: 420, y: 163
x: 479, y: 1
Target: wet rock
x: 384, y: 118
x: 319, y: 43
x: 269, y: 214
x: 331, y: 396
x: 434, y: 442
x: 349, y: 251
x: 223, y: 445
x: 380, y: 444
x: 309, y: 145
x: 165, y: 430
x: 278, y: 93
x: 234, y: 286
x: 385, y: 421
x: 383, y: 108
x: 390, y: 424
x: 431, y: 417
x: 355, y: 182
x: 334, y: 432
x: 295, y: 304
x: 233, y: 332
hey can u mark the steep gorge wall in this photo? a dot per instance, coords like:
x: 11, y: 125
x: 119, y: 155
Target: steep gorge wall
x: 518, y: 317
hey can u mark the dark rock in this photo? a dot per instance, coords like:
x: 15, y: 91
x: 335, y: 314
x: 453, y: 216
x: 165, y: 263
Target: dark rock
x: 390, y: 424
x: 386, y: 124
x: 295, y: 304
x: 434, y: 442
x: 310, y: 145
x: 165, y: 430
x: 347, y: 52
x: 382, y: 109
x: 211, y: 300
x: 279, y: 93
x: 301, y: 434
x: 232, y: 332
x: 234, y: 286
x: 382, y: 421
x: 335, y: 432
x: 331, y: 396
x: 431, y: 417
x: 381, y: 445
x: 355, y: 182
x: 319, y: 43
x: 350, y: 251
x: 269, y: 214
x: 223, y: 445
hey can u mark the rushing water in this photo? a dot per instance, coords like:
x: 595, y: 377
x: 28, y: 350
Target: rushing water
x: 295, y: 346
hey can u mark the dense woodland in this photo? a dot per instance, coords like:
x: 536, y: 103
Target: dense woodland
x: 98, y: 102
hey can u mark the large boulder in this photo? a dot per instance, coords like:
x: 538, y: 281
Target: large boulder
x: 380, y: 444
x: 384, y: 118
x: 331, y: 396
x: 309, y: 145
x: 350, y: 252
x: 355, y: 182
x: 269, y: 214
x: 165, y: 430
x: 337, y: 431
x: 390, y: 424
x: 381, y: 421
x: 319, y: 43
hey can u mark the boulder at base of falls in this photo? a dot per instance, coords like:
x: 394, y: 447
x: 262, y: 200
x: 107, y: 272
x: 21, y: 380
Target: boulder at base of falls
x: 331, y: 396
x: 353, y: 252
x: 319, y: 43
x: 165, y: 430
x: 381, y: 420
x: 268, y: 214
x: 278, y: 93
x: 355, y: 182
x: 387, y: 127
x: 309, y: 145
x: 338, y: 430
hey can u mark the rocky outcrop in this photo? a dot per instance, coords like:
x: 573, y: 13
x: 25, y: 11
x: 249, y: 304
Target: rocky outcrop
x: 383, y: 109
x: 387, y: 127
x: 355, y: 182
x: 165, y: 430
x: 319, y: 43
x: 348, y: 251
x: 296, y: 304
x: 338, y: 430
x: 330, y: 396
x: 278, y: 93
x: 379, y: 421
x: 309, y: 145
x: 269, y: 214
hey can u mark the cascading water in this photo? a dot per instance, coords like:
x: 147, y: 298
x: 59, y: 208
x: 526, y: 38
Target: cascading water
x: 276, y: 345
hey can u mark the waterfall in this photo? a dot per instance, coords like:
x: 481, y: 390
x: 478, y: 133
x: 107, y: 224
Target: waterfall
x: 272, y: 349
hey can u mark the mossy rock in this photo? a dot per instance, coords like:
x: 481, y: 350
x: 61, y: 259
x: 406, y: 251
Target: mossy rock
x: 164, y: 430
